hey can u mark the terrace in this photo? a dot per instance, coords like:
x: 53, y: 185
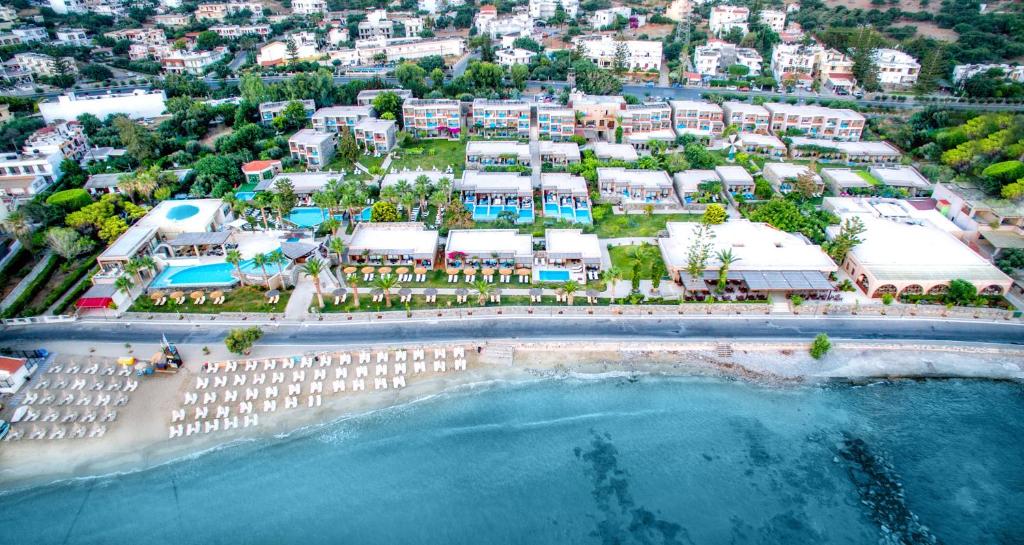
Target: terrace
x: 489, y: 195
x: 631, y: 188
x: 392, y: 244
x: 565, y: 197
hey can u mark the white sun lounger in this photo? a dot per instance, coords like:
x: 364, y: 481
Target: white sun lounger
x: 362, y: 371
x: 239, y: 380
x: 252, y: 393
x: 341, y: 372
x: 178, y: 415
x: 345, y: 359
x: 223, y: 411
x: 191, y: 398
x: 419, y: 366
x: 417, y: 354
x: 212, y: 425
x: 294, y: 389
x: 440, y: 353
x: 459, y: 352
x: 200, y: 413
x: 314, y: 401
x: 358, y: 385
x: 193, y: 428
x: 364, y: 357
x: 316, y: 387
x: 338, y: 386
x: 250, y: 365
x: 209, y: 397
x: 245, y: 407
x: 220, y: 381
x: 251, y: 420
x: 381, y: 369
x: 276, y: 378
x: 382, y: 356
x: 440, y: 365
x: 298, y: 376
x: 230, y: 396
x: 459, y: 364
x: 230, y: 423
x: 399, y: 368
x: 202, y: 383
x: 289, y: 363
x: 270, y: 391
x: 269, y: 365
x: 259, y: 378
x: 291, y: 402
x: 401, y: 355
x: 269, y: 405
x: 319, y: 374
x: 398, y: 381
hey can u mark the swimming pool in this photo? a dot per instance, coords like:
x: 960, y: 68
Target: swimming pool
x: 182, y: 212
x: 553, y: 275
x: 482, y: 212
x: 245, y: 195
x: 308, y: 216
x: 554, y: 211
x: 210, y: 275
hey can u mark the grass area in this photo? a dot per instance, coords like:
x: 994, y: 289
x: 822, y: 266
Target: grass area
x: 623, y: 257
x: 447, y: 302
x: 247, y: 299
x: 609, y: 225
x: 248, y: 186
x: 431, y: 155
x: 867, y: 177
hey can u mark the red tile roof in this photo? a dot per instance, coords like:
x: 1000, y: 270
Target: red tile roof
x: 259, y: 166
x: 11, y: 365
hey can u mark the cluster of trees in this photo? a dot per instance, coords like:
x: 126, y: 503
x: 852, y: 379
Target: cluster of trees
x: 986, y: 150
x: 793, y: 214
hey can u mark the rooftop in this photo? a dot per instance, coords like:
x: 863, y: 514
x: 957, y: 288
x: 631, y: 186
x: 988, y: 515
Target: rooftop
x: 735, y: 175
x: 690, y: 180
x: 564, y: 182
x: 571, y: 150
x: 310, y: 137
x: 497, y: 147
x: 259, y: 166
x: 619, y: 152
x: 901, y: 176
x: 483, y: 242
x: 572, y: 244
x: 636, y: 177
x: 758, y: 247
x: 495, y: 182
x: 105, y: 181
x: 406, y: 238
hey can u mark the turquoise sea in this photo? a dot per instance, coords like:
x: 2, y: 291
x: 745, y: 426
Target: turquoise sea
x: 604, y: 461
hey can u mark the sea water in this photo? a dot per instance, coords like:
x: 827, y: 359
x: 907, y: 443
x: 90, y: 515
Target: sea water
x: 613, y: 460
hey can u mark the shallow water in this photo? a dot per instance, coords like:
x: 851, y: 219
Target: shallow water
x: 661, y: 460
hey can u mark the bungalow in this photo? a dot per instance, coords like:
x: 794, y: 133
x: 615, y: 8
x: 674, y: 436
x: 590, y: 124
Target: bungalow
x: 270, y: 110
x: 764, y: 144
x: 496, y: 153
x: 376, y: 136
x: 313, y: 148
x: 605, y: 151
x: 565, y: 197
x: 559, y: 153
x: 333, y: 118
x: 903, y: 177
x: 98, y: 184
x: 257, y: 171
x: 636, y: 187
x: 488, y: 248
x: 570, y: 250
x: 405, y: 243
x: 782, y: 176
x: 14, y: 372
x: 736, y: 181
x: 697, y: 188
x: 489, y: 194
x: 642, y: 140
x: 844, y: 181
x: 856, y: 152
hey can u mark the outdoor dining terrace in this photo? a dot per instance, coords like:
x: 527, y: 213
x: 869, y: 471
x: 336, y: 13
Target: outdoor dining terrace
x: 757, y: 286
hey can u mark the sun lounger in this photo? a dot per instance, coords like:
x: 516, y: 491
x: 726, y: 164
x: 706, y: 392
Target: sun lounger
x: 193, y: 428
x: 57, y: 368
x: 362, y: 371
x: 276, y: 378
x: 178, y: 415
x: 230, y: 396
x: 381, y: 369
x: 338, y: 386
x: 239, y: 379
x: 319, y: 374
x: 89, y: 417
x: 252, y: 393
x: 57, y: 433
x: 245, y: 407
x: 270, y: 392
x: 459, y: 364
x: 341, y: 372
x: 440, y: 365
x: 459, y: 352
x: 269, y: 405
x: 73, y: 369
x: 382, y: 356
x: 291, y: 402
x: 251, y: 420
x: 358, y: 385
x: 230, y: 423
x: 78, y: 432
x: 201, y: 413
x: 259, y: 378
x: 314, y: 401
x: 211, y: 425
x: 294, y: 389
x: 91, y: 370
x: 220, y: 381
x: 222, y: 412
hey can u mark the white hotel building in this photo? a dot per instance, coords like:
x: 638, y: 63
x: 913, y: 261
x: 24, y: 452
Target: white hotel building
x: 136, y: 104
x: 725, y: 18
x: 896, y: 69
x: 546, y: 9
x: 641, y: 55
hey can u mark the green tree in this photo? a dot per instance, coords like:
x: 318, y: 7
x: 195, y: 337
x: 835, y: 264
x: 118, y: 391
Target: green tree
x: 138, y: 141
x: 820, y: 346
x: 714, y: 214
x: 388, y: 103
x: 313, y: 269
x: 96, y: 72
x: 67, y: 242
x: 124, y: 283
x: 864, y: 68
x: 620, y: 60
x: 284, y: 199
x: 208, y: 40
x: 384, y: 211
x: 241, y: 340
x: 699, y: 251
x: 386, y: 283
x: 519, y: 74
x: 961, y: 292
x: 569, y: 288
x: 292, y: 49
x: 483, y: 291
x: 260, y: 260
x: 348, y: 148
x: 847, y: 238
x: 292, y: 117
x: 611, y: 277
x: 17, y: 225
x: 410, y: 76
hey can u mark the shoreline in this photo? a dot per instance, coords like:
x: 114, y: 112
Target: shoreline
x: 139, y: 441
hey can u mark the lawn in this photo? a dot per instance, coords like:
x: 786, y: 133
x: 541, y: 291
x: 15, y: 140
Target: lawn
x: 447, y: 302
x: 623, y: 258
x: 868, y: 177
x: 431, y: 155
x: 609, y: 225
x: 247, y: 299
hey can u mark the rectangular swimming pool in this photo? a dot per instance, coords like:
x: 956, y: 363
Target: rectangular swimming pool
x: 553, y: 275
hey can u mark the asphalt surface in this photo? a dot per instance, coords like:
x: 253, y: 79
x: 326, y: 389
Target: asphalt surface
x: 533, y: 328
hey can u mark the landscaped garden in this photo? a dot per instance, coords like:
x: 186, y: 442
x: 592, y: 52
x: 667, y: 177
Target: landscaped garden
x: 610, y: 225
x: 430, y: 155
x: 247, y: 299
x: 624, y: 259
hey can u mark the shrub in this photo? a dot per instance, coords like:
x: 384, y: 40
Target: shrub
x: 820, y: 346
x: 961, y: 292
x: 887, y: 298
x: 69, y: 200
x: 241, y: 340
x: 796, y: 300
x: 714, y: 214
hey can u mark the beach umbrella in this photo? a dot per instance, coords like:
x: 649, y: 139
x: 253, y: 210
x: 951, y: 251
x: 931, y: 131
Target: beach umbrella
x: 469, y: 270
x: 536, y: 292
x: 338, y: 292
x: 402, y: 270
x: 451, y: 270
x: 420, y: 270
x: 196, y: 294
x: 461, y: 292
x: 216, y: 294
x: 496, y: 291
x: 177, y: 295
x: 593, y: 293
x: 349, y: 270
x: 522, y: 272
x: 487, y: 271
x: 504, y: 272
x: 404, y: 292
x: 384, y: 270
x: 156, y: 295
x: 430, y: 291
x: 376, y: 291
x: 366, y: 270
x: 273, y: 293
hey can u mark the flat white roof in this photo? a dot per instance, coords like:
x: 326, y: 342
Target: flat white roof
x: 758, y: 247
x: 785, y: 171
x: 689, y: 180
x: 734, y: 175
x: 375, y: 125
x: 495, y: 182
x: 571, y: 150
x: 850, y: 148
x: 497, y: 147
x: 563, y: 181
x: 619, y: 152
x: 182, y: 216
x: 901, y: 176
x: 125, y: 246
x: 844, y: 177
x: 698, y: 105
x: 755, y: 139
x: 309, y: 136
x: 406, y: 238
x: 483, y: 242
x: 343, y: 111
x: 635, y: 177
x: 745, y: 108
x: 646, y: 136
x: 572, y: 243
x: 810, y: 110
x: 410, y: 177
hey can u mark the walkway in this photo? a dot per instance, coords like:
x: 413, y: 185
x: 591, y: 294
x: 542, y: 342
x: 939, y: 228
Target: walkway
x: 302, y: 297
x: 23, y: 285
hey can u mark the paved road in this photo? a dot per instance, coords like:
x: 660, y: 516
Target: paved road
x: 557, y: 327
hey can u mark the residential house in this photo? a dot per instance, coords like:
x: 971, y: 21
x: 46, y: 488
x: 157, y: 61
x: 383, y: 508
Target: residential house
x: 43, y: 65
x: 604, y: 51
x: 717, y: 56
x: 218, y: 11
x: 193, y: 62
x: 546, y: 9
x: 795, y: 64
x: 597, y: 116
x: 725, y: 18
x: 514, y: 55
x: 896, y: 69
x: 14, y: 372
x: 257, y: 171
x: 904, y: 177
x: 854, y: 152
x: 606, y: 151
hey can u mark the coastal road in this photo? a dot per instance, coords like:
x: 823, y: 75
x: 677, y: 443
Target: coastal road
x: 531, y: 328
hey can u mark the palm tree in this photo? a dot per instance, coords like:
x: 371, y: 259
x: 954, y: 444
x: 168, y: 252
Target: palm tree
x: 313, y: 268
x: 386, y: 283
x: 337, y: 246
x: 353, y: 197
x: 444, y: 186
x: 278, y: 258
x: 325, y: 201
x: 569, y: 288
x: 137, y: 264
x: 353, y: 283
x: 125, y: 284
x: 16, y: 224
x: 611, y: 276
x: 260, y: 260
x: 234, y: 257
x: 727, y: 259
x: 483, y: 290
x: 263, y: 201
x: 421, y: 187
x: 407, y: 198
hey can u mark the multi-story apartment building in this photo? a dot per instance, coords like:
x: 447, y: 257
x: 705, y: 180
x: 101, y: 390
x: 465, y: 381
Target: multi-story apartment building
x: 646, y: 117
x: 368, y: 52
x: 963, y: 72
x: 502, y: 118
x: 31, y: 34
x: 43, y: 65
x: 775, y: 19
x: 490, y: 23
x: 432, y: 118
x: 158, y: 52
x: 896, y: 69
x: 276, y: 52
x: 192, y: 62
x: 313, y: 148
x: 67, y: 138
x: 747, y: 117
x: 24, y: 175
x: 816, y: 121
x: 602, y: 49
x: 308, y: 7
x: 835, y: 72
x: 597, y: 116
x: 678, y: 10
x: 697, y: 118
x: 333, y: 118
x: 137, y: 104
x: 171, y: 19
x: 73, y: 36
x: 557, y: 123
x: 219, y: 11
x: 725, y: 18
x: 717, y: 56
x: 795, y: 64
x: 606, y: 17
x: 365, y: 98
x: 68, y: 6
x: 376, y: 136
x: 237, y: 31
x: 149, y: 36
x: 270, y: 110
x: 546, y: 9
x: 376, y: 25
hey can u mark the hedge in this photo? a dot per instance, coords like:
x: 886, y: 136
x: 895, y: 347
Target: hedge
x: 32, y: 288
x: 63, y: 287
x: 73, y: 296
x: 70, y: 199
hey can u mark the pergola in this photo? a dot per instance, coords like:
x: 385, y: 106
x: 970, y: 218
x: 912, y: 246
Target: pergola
x: 197, y: 241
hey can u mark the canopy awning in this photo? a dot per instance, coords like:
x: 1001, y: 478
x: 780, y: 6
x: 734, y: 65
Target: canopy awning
x: 215, y: 238
x: 786, y: 281
x: 94, y: 302
x: 1003, y: 239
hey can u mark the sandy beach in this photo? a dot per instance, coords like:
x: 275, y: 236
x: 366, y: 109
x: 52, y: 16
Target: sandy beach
x: 140, y: 436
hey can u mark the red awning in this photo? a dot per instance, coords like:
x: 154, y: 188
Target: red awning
x: 94, y: 302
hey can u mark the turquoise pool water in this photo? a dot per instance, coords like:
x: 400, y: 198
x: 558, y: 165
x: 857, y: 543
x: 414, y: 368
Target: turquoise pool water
x: 567, y: 213
x: 211, y: 275
x: 245, y: 195
x: 482, y: 212
x: 658, y: 461
x: 553, y: 275
x: 182, y: 211
x: 308, y: 216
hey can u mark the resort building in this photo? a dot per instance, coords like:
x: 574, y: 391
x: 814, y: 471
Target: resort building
x: 487, y: 195
x: 597, y: 115
x: 376, y: 136
x: 257, y: 171
x: 67, y: 138
x: 736, y: 181
x: 762, y: 144
x: 747, y: 117
x: 489, y: 23
x: 569, y: 254
x: 906, y: 251
x: 854, y: 152
x: 903, y: 177
x: 432, y: 118
x: 512, y: 56
x: 393, y: 50
x: 404, y: 243
x: 695, y: 188
x: 725, y: 18
x: 25, y: 175
x: 313, y: 148
x: 333, y: 118
x: 558, y: 153
x: 501, y: 118
x: 697, y: 118
x: 646, y: 118
x: 845, y: 181
x: 636, y: 188
x: 270, y: 110
x: 376, y: 24
x: 15, y: 372
x: 496, y: 153
x: 193, y: 62
x: 276, y: 53
x: 99, y: 184
x: 896, y: 69
x: 488, y: 248
x: 783, y: 176
x: 992, y: 224
x: 557, y: 123
x: 604, y: 50
x: 73, y: 37
x: 768, y: 261
x: 172, y: 19
x: 43, y: 65
x: 717, y: 56
x: 546, y: 9
x: 565, y: 197
x: 365, y: 98
x: 678, y: 10
x: 816, y: 121
x: 605, y: 151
